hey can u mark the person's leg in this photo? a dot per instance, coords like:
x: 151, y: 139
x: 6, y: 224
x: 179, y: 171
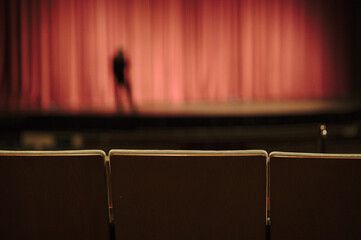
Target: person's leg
x: 129, y: 94
x: 118, y: 96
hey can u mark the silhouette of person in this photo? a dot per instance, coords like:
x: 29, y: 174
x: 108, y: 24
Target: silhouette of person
x: 120, y: 66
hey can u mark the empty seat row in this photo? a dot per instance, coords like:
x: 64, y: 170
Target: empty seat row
x: 148, y: 194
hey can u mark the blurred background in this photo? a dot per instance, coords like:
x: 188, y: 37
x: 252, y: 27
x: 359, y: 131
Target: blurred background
x: 204, y: 74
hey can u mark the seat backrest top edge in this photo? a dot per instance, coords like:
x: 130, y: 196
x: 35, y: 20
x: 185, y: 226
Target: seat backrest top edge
x: 187, y: 152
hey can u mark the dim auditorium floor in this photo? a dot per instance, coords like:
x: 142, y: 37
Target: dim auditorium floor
x: 271, y: 126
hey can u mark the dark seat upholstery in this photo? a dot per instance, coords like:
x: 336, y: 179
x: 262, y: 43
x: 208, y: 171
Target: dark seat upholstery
x: 189, y: 194
x: 53, y: 195
x: 315, y: 196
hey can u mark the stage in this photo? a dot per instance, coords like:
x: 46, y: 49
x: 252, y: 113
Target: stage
x: 247, y: 109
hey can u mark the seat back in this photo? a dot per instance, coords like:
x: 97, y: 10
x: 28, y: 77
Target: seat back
x: 315, y: 196
x: 53, y: 195
x: 189, y: 194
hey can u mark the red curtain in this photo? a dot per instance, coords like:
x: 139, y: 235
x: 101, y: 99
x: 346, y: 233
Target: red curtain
x: 57, y: 54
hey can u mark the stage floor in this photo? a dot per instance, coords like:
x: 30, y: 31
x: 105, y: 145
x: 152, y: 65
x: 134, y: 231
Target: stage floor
x: 249, y: 108
x: 188, y: 115
x: 231, y: 109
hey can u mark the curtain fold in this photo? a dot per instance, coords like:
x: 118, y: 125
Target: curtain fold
x: 57, y: 54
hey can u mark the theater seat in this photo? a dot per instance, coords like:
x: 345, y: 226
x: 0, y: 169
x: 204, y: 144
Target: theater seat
x: 189, y: 194
x: 53, y: 195
x: 315, y: 196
